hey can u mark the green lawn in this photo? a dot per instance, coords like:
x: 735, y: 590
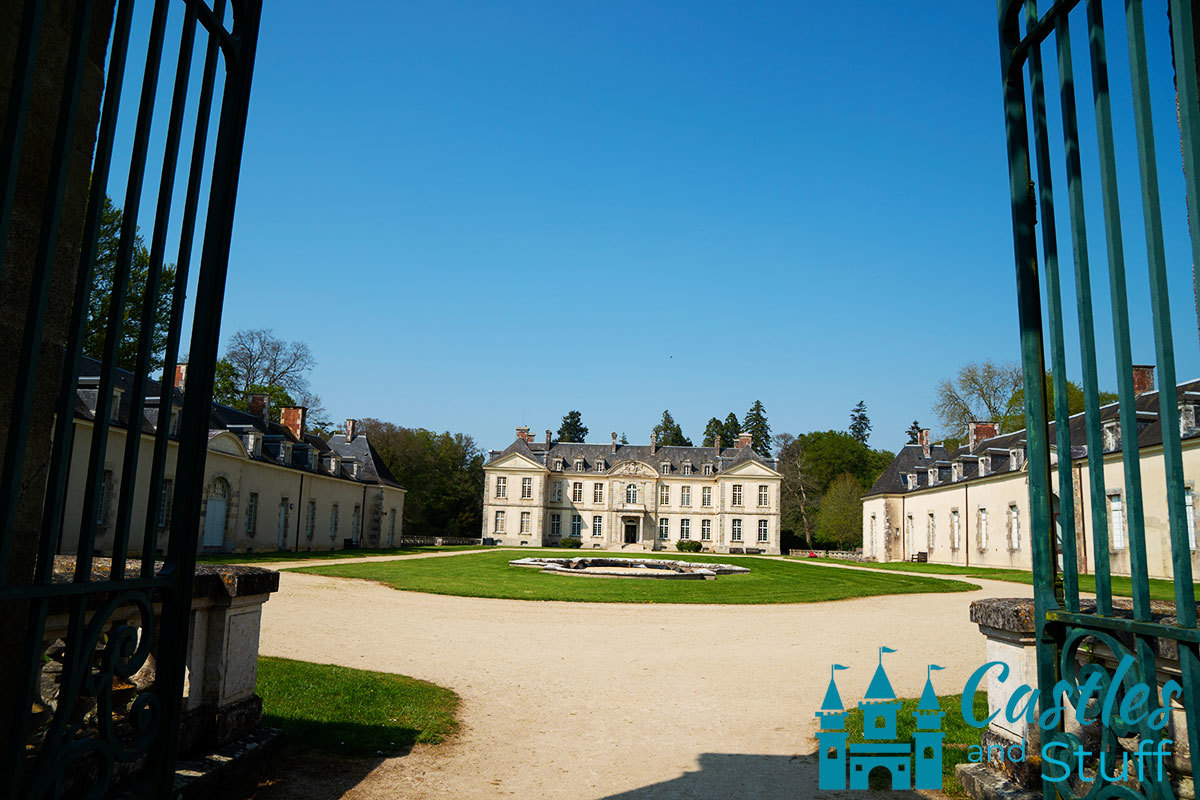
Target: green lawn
x: 1121, y: 586
x: 343, y: 711
x: 769, y: 580
x: 959, y: 736
x: 310, y: 555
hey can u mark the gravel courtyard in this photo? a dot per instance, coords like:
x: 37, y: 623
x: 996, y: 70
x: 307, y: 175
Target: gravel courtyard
x: 583, y: 701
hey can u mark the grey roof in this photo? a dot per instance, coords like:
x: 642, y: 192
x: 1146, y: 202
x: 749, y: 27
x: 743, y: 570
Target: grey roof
x: 361, y: 450
x: 592, y: 454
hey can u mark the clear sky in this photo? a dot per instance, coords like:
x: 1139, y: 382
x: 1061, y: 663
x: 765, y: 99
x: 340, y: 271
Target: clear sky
x: 482, y: 215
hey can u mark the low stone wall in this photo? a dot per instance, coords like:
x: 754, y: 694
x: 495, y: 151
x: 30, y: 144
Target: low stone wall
x: 436, y: 541
x: 845, y: 555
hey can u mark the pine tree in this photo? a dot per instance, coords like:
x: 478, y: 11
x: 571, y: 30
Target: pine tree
x: 732, y: 429
x: 755, y: 424
x: 914, y: 432
x: 860, y: 423
x: 669, y: 434
x: 712, y: 430
x: 572, y: 428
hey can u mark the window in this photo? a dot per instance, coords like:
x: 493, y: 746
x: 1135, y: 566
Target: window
x: 687, y: 468
x: 310, y: 520
x: 955, y: 530
x: 665, y: 467
x: 664, y: 528
x: 525, y: 522
x: 556, y: 524
x: 762, y: 531
x: 164, y: 503
x: 526, y: 488
x: 685, y: 495
x: 557, y: 465
x: 333, y: 522
x: 929, y: 531
x: 173, y: 429
x: 600, y: 465
x: 499, y: 522
x: 706, y: 530
x: 1014, y: 527
x: 577, y: 492
x: 597, y: 492
x: 737, y: 494
x: 252, y: 513
x: 685, y: 529
x: 1189, y: 507
x: 102, y: 496
x: 556, y: 493
x: 631, y: 493
x: 664, y: 495
x: 579, y: 465
x: 597, y: 526
x: 391, y: 526
x: 764, y: 495
x: 576, y: 525
x: 871, y: 549
x: 706, y: 497
x: 982, y: 528
x: 708, y: 469
x: 737, y: 530
x: 501, y: 487
x: 357, y: 521
x: 1116, y: 511
x: 114, y: 413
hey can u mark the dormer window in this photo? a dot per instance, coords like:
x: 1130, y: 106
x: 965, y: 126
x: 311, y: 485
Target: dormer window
x: 558, y: 465
x: 665, y: 467
x: 114, y: 414
x: 933, y: 476
x: 285, y: 453
x: 956, y: 472
x: 985, y: 465
x: 579, y: 465
x: 912, y: 481
x: 600, y: 465
x: 1111, y: 432
x: 1016, y: 458
x: 708, y: 469
x: 173, y: 428
x: 687, y: 468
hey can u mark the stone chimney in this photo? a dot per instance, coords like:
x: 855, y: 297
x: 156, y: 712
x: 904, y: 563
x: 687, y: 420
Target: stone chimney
x: 978, y: 431
x: 653, y: 443
x: 614, y: 442
x: 1143, y: 378
x: 523, y: 434
x: 923, y: 440
x: 717, y: 444
x: 744, y: 440
x: 180, y: 376
x: 259, y: 405
x: 293, y: 418
x: 351, y: 429
x: 549, y: 441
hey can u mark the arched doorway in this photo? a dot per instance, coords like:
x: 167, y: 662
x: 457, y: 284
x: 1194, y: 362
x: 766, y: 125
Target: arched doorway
x: 214, y: 513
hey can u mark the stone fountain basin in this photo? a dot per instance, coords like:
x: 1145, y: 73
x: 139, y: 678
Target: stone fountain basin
x: 653, y: 568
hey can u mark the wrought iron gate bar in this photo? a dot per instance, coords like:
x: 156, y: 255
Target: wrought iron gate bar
x: 1060, y: 633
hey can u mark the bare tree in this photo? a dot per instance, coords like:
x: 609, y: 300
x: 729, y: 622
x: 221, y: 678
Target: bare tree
x: 260, y: 358
x: 984, y: 390
x: 798, y: 488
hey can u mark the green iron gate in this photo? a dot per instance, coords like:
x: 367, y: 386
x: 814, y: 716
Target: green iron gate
x: 1067, y: 628
x: 123, y: 613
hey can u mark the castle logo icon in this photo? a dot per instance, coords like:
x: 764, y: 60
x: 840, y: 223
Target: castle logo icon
x: 879, y: 747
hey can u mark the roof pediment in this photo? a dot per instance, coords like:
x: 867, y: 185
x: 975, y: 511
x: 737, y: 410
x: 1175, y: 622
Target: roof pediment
x: 751, y: 469
x: 228, y: 443
x: 516, y: 461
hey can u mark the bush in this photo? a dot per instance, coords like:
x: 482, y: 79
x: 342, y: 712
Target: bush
x: 570, y: 541
x: 688, y: 546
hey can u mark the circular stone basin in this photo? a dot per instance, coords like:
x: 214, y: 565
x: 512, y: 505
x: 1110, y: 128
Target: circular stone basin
x: 631, y: 568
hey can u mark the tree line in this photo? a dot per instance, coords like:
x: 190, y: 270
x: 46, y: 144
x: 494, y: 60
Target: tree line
x: 669, y: 433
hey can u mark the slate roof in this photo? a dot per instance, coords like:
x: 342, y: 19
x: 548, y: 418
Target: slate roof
x: 592, y: 454
x: 361, y: 450
x: 911, y: 458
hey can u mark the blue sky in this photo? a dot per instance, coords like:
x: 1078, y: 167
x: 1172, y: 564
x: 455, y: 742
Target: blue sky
x: 483, y: 215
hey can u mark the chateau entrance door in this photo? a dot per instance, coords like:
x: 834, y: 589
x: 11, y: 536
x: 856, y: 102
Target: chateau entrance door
x: 631, y: 533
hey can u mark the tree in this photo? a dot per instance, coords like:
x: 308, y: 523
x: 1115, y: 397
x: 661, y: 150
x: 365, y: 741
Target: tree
x: 755, y: 424
x: 860, y: 423
x: 668, y: 433
x: 100, y: 300
x: 712, y: 429
x: 258, y: 362
x: 572, y: 428
x: 624, y: 440
x: 914, y: 433
x: 797, y: 490
x: 840, y: 520
x: 982, y: 390
x: 732, y: 429
x: 1075, y: 403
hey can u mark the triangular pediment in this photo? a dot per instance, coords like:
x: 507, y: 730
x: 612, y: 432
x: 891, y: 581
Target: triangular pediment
x: 516, y: 461
x: 750, y: 469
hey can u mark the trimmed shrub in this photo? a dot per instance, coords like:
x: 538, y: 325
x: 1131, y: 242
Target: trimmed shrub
x: 688, y: 546
x: 570, y: 541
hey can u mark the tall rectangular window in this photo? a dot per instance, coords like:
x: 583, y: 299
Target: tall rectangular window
x: 164, y: 503
x: 501, y: 487
x: 1189, y: 507
x: 102, y: 496
x: 664, y: 528
x: 556, y: 524
x: 577, y: 492
x: 357, y: 521
x: 706, y: 497
x: 983, y: 531
x: 685, y: 495
x: 597, y: 492
x: 1014, y: 527
x: 762, y: 531
x: 525, y: 516
x: 685, y: 529
x: 664, y: 495
x: 310, y: 521
x: 526, y: 488
x: 764, y: 495
x: 333, y: 522
x: 705, y: 530
x: 499, y: 522
x: 955, y: 530
x: 252, y: 513
x: 631, y: 493
x: 930, y: 530
x: 597, y: 526
x: 556, y: 493
x: 871, y: 549
x: 737, y: 530
x: 1116, y: 511
x: 737, y: 494
x: 576, y: 525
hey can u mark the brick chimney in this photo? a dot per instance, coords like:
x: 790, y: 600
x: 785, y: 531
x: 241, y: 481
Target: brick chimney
x: 523, y: 434
x: 653, y: 443
x: 744, y: 440
x: 259, y: 405
x: 614, y: 442
x: 549, y: 441
x: 923, y: 440
x: 180, y: 376
x: 978, y: 431
x: 293, y: 418
x: 1143, y: 378
x: 351, y: 429
x: 717, y: 444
